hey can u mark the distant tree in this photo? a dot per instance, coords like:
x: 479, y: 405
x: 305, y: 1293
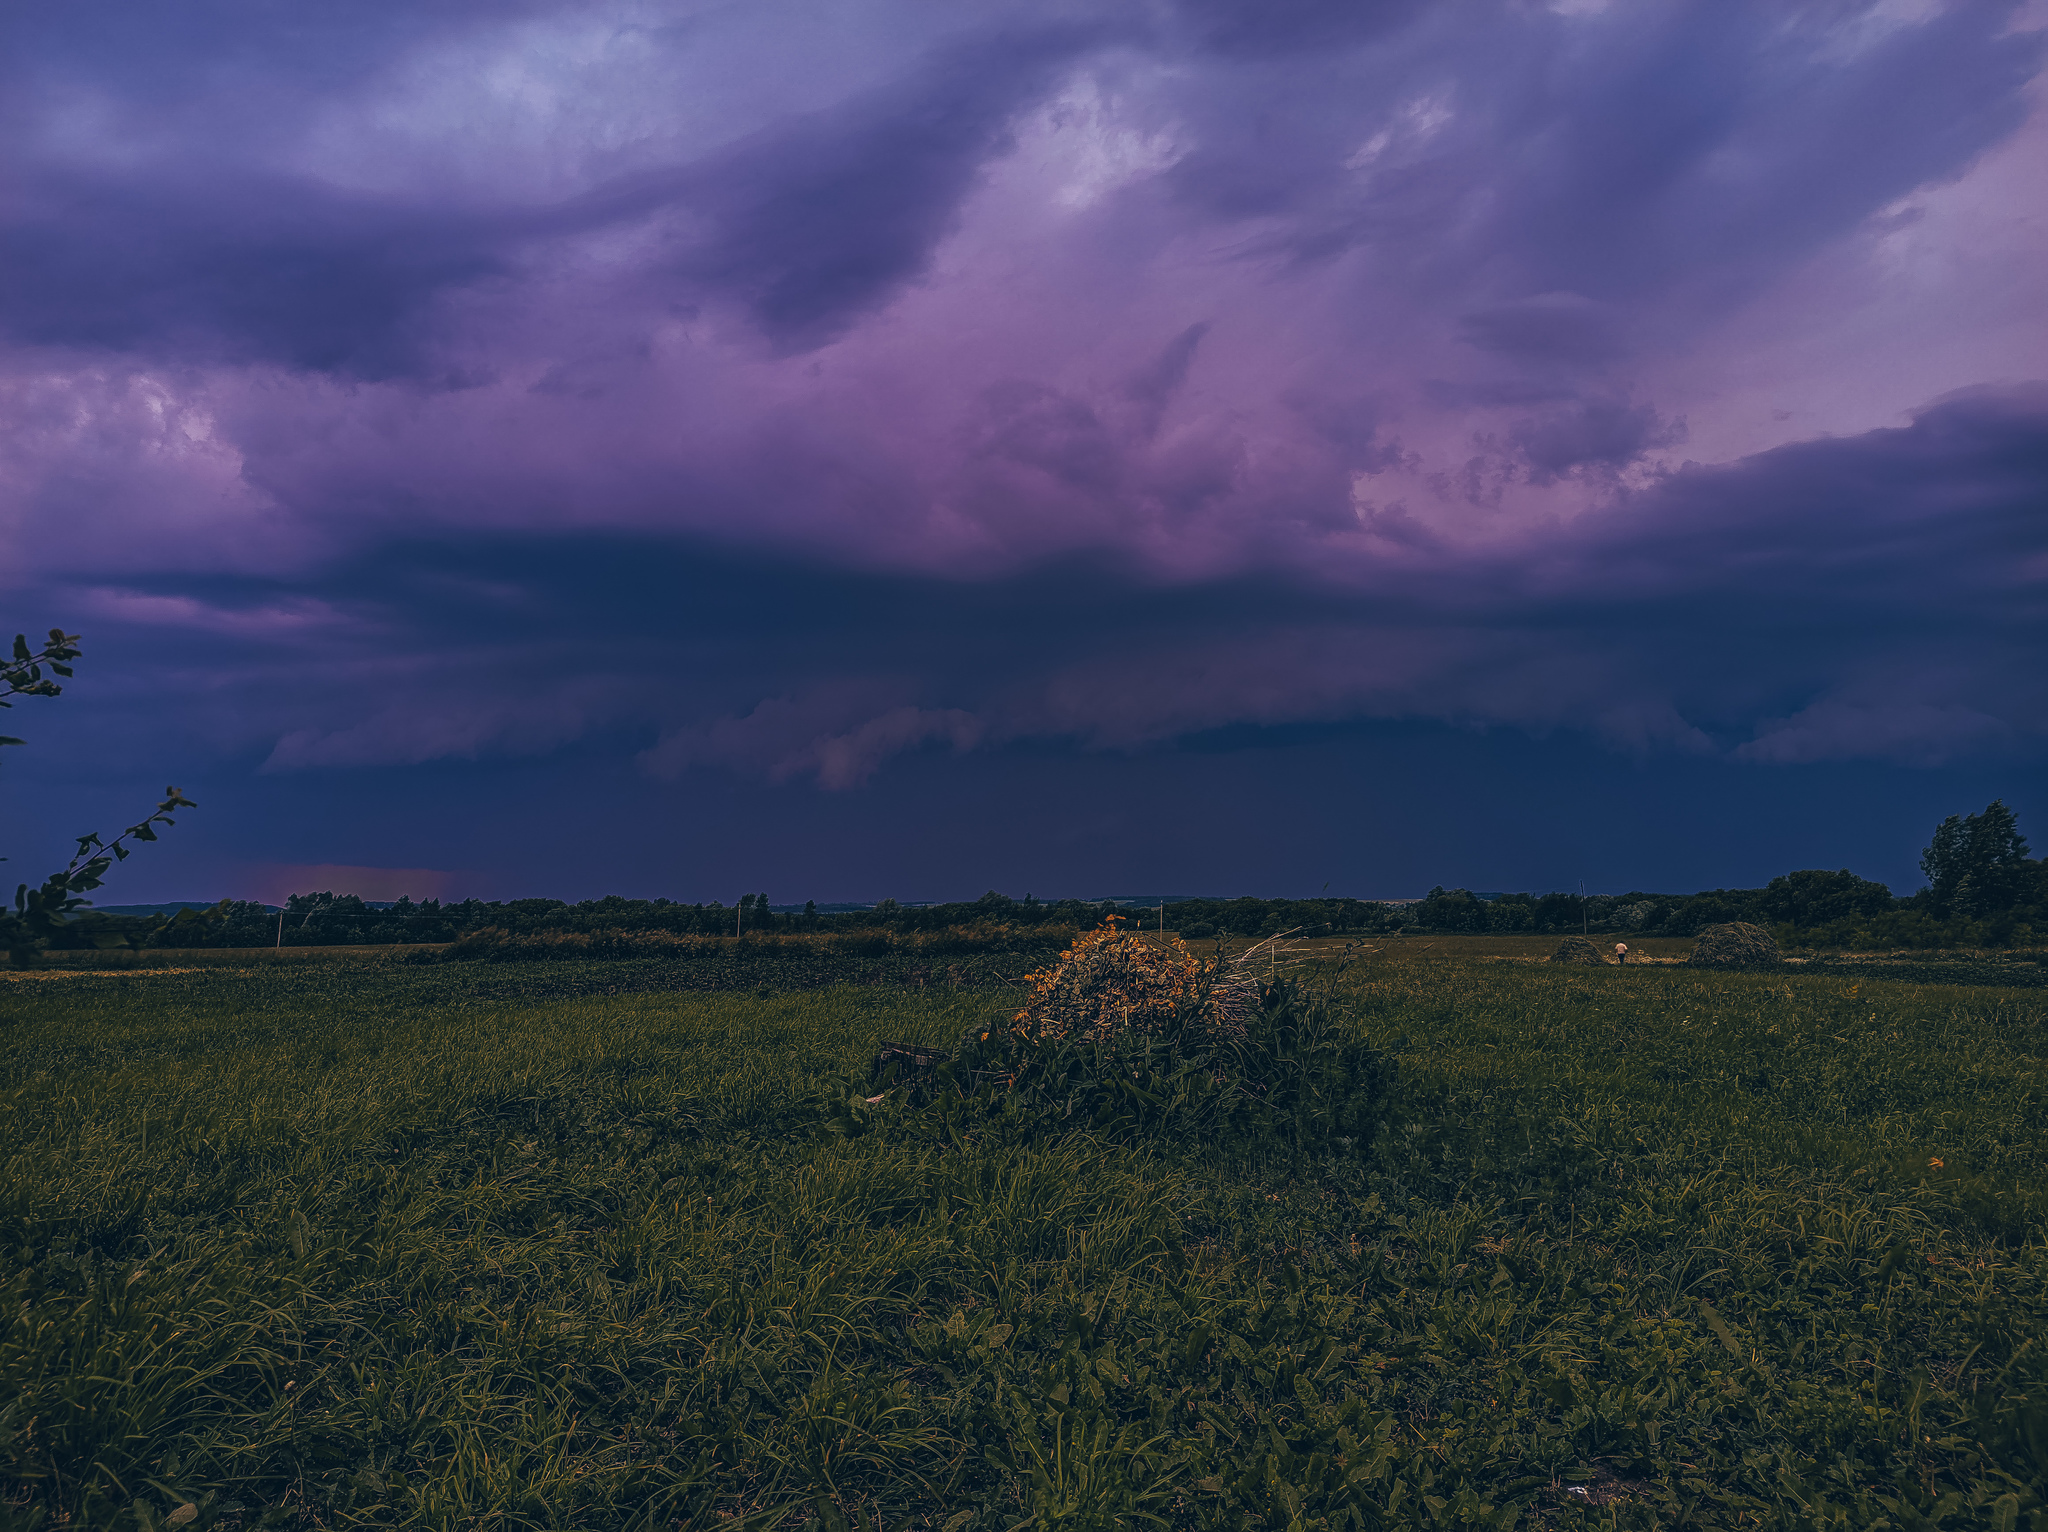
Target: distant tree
x: 1558, y: 912
x: 1451, y: 910
x: 1977, y: 865
x: 1813, y: 898
x: 41, y: 913
x: 1511, y: 912
x: 1243, y: 916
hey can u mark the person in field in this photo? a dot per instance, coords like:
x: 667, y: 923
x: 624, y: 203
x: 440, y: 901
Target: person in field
x: 1621, y: 952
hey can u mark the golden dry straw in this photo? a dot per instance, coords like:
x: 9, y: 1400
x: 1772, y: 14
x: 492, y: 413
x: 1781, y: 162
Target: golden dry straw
x: 1112, y: 982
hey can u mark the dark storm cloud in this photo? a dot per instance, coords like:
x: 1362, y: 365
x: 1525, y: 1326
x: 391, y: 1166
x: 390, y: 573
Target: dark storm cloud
x: 187, y: 246
x: 1595, y: 434
x: 725, y: 392
x: 1699, y: 144
x: 1940, y: 524
x: 1660, y: 155
x: 170, y: 57
x: 1870, y: 597
x: 809, y: 224
x: 819, y: 221
x: 1553, y: 326
x: 1032, y: 426
x: 1270, y: 28
x: 283, y: 272
x: 1154, y: 387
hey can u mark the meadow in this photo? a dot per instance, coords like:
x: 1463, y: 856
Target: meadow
x: 370, y: 1243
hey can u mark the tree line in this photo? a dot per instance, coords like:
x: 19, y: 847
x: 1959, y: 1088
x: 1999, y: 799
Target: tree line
x: 1982, y: 890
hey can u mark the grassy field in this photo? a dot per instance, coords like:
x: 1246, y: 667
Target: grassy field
x: 358, y: 1243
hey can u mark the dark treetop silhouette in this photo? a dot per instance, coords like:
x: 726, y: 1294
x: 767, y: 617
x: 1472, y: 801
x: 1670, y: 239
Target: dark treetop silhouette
x: 40, y: 913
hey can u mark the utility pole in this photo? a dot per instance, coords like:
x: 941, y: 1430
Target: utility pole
x: 1585, y: 920
x: 280, y: 930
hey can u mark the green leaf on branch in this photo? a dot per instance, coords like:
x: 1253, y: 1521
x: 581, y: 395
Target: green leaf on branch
x: 41, y: 913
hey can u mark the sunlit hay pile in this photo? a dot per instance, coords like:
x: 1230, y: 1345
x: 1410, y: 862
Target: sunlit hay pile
x: 1131, y: 1033
x: 1577, y: 949
x: 1735, y: 945
x: 1110, y: 983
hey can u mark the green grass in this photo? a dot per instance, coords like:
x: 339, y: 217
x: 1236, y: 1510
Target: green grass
x: 368, y: 1245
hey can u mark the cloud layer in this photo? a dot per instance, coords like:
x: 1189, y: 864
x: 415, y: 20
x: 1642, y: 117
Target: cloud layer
x: 778, y: 392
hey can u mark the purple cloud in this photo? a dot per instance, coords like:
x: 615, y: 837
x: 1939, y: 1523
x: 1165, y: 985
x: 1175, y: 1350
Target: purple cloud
x: 1324, y: 362
x: 1592, y: 435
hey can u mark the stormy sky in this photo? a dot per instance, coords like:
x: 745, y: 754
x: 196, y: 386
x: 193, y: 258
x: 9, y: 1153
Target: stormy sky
x: 861, y: 448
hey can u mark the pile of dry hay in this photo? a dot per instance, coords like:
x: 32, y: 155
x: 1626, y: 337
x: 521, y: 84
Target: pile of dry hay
x: 1577, y: 949
x: 1111, y: 982
x: 1735, y: 945
x: 1134, y: 1034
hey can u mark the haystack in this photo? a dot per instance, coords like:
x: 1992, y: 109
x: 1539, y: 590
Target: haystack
x: 1111, y: 982
x: 1735, y: 945
x: 1576, y: 949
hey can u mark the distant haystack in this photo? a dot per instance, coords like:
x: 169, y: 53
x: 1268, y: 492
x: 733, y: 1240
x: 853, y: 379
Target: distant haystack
x: 1735, y: 945
x: 1576, y: 949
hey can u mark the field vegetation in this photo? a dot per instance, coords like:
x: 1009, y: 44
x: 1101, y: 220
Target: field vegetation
x: 543, y: 1244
